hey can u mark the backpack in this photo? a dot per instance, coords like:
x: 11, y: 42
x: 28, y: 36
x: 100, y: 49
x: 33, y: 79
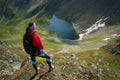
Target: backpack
x: 27, y: 43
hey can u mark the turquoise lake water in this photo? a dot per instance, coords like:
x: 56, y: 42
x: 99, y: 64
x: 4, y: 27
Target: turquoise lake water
x: 63, y: 28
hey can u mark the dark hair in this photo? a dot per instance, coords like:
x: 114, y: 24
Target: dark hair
x: 30, y: 24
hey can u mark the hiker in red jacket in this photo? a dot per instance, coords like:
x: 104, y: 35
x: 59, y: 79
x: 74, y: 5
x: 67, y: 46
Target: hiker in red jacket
x: 35, y: 48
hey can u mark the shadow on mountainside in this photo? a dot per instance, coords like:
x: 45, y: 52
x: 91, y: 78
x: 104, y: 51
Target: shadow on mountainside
x: 40, y: 76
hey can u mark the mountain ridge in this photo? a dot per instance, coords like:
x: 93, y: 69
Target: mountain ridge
x: 83, y: 12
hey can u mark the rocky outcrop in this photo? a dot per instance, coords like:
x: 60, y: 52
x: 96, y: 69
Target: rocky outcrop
x: 9, y: 61
x: 113, y: 46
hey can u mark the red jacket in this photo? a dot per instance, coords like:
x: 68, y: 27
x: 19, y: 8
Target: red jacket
x: 36, y: 41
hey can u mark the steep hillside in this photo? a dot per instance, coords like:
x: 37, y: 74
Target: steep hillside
x: 73, y: 59
x: 13, y: 12
x: 10, y: 58
x: 82, y: 12
x: 88, y: 65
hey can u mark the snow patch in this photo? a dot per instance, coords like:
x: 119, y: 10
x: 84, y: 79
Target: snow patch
x: 98, y: 24
x: 111, y: 36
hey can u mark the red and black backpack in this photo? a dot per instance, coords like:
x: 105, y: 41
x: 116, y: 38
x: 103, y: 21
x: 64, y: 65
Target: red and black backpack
x: 27, y: 43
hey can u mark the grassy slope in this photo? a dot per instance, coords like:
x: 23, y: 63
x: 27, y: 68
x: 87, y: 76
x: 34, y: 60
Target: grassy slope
x: 12, y: 35
x: 88, y: 65
x: 81, y: 61
x: 70, y: 61
x: 77, y: 62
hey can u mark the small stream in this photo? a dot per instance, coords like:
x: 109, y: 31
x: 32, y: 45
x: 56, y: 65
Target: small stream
x: 63, y: 28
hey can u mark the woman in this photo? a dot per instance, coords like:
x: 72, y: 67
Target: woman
x: 35, y: 46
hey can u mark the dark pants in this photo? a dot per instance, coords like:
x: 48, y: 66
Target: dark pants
x: 43, y: 55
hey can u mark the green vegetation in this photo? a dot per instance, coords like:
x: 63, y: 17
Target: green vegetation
x: 11, y: 47
x: 81, y: 61
x: 74, y: 60
x: 91, y: 65
x: 113, y: 46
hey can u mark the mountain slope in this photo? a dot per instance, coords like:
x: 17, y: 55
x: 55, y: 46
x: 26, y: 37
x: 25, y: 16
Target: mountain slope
x: 73, y: 60
x: 88, y: 65
x: 83, y: 12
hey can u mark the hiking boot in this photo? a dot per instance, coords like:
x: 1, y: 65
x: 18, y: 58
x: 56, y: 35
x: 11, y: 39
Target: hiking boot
x: 51, y: 68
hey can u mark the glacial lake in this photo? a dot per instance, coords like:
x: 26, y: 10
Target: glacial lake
x: 63, y: 28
